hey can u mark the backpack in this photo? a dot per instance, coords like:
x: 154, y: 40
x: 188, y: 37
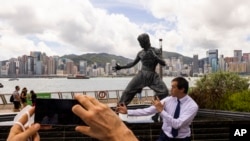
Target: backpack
x: 11, y: 98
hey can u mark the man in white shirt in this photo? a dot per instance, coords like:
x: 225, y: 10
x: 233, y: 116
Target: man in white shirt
x: 167, y: 108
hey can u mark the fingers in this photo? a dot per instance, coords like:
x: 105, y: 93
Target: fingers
x: 121, y: 108
x: 36, y: 137
x: 84, y: 130
x: 79, y: 111
x: 84, y: 100
x: 17, y: 128
x: 25, y: 117
x: 32, y: 131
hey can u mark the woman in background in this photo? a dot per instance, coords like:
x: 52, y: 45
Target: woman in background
x: 33, y: 97
x: 24, y: 97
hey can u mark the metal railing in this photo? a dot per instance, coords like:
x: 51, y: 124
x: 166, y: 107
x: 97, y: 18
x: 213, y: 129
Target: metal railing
x: 105, y: 96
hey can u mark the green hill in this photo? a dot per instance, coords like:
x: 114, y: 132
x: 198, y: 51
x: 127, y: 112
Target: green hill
x: 102, y: 58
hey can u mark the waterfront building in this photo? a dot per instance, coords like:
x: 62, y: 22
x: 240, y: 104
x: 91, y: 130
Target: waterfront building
x: 195, y: 64
x: 12, y: 66
x: 83, y: 67
x: 222, y: 63
x: 238, y: 55
x: 108, y: 69
x: 37, y: 55
x: 30, y: 65
x: 70, y: 67
x: 212, y: 56
x: 51, y: 66
x: 246, y: 57
x: 238, y: 67
x: 23, y: 70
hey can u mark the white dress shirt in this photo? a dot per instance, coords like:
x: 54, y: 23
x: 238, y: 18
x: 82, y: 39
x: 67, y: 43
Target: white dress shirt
x: 188, y: 110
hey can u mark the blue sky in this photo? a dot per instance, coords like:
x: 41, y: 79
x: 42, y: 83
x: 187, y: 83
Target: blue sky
x: 62, y: 27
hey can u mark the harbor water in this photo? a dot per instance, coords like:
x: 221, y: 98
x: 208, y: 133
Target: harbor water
x: 67, y: 85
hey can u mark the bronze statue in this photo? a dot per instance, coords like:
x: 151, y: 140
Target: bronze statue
x: 149, y: 57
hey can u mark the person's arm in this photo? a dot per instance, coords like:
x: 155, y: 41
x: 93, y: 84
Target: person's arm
x: 102, y: 122
x: 142, y: 112
x: 185, y: 118
x: 129, y: 65
x: 121, y: 108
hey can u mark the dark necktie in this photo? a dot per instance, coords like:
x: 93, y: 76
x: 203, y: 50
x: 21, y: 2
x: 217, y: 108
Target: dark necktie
x: 176, y: 115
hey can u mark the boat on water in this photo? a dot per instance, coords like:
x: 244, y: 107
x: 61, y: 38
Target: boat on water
x: 13, y: 79
x: 77, y: 77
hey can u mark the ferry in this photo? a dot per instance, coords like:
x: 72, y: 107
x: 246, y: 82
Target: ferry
x: 77, y: 77
x: 13, y: 79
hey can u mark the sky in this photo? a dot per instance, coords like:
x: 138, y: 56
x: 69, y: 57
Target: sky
x: 60, y: 27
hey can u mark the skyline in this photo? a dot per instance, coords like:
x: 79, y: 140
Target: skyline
x: 120, y: 55
x: 62, y: 27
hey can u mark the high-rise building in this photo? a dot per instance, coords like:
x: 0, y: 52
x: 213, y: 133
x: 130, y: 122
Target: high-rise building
x: 246, y: 57
x: 108, y: 69
x: 51, y: 66
x: 195, y: 64
x: 69, y: 67
x: 212, y: 56
x: 222, y: 63
x: 113, y: 62
x: 83, y: 67
x: 37, y: 55
x: 30, y: 65
x: 238, y: 55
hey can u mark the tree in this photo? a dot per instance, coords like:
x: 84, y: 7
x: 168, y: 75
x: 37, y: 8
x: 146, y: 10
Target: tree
x: 211, y: 89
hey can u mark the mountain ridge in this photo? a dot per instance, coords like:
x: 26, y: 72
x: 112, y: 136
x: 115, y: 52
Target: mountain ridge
x: 102, y: 58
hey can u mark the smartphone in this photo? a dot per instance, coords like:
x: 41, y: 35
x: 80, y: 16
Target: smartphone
x: 56, y: 112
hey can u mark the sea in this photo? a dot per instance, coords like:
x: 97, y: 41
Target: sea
x: 73, y: 85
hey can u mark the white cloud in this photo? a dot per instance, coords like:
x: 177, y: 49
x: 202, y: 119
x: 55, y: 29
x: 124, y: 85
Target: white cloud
x: 61, y: 27
x: 76, y: 26
x: 207, y: 24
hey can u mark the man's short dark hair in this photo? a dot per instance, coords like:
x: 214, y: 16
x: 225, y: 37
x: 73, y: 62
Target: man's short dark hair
x: 182, y: 83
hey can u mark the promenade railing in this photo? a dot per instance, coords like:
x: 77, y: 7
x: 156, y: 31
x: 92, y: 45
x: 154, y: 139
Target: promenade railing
x: 105, y: 96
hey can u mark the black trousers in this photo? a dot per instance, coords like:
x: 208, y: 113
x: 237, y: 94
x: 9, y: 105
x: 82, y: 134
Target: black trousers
x: 164, y: 137
x: 17, y: 104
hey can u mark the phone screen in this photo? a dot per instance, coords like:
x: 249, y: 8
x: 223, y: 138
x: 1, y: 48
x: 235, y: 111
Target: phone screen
x: 56, y: 112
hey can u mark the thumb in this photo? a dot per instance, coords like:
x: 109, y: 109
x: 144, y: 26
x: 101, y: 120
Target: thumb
x: 30, y: 131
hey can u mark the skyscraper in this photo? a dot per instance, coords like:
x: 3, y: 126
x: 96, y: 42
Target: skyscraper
x: 238, y: 55
x: 83, y: 67
x: 37, y: 55
x: 195, y: 64
x: 212, y: 56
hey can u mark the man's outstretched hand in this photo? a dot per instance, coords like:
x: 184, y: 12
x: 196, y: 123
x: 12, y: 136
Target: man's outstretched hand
x: 116, y: 67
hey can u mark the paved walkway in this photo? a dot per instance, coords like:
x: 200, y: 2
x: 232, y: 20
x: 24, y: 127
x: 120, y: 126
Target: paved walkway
x: 6, y: 109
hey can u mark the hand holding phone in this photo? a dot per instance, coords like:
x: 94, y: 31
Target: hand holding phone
x: 56, y: 112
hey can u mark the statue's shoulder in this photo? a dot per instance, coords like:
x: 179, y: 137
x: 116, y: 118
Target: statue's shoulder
x: 156, y: 50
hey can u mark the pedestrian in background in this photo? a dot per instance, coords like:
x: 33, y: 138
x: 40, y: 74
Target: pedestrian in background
x: 23, y: 97
x: 33, y: 97
x: 16, y: 102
